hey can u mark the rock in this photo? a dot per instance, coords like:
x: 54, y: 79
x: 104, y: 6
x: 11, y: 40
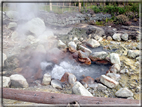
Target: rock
x: 109, y: 38
x: 82, y: 54
x: 4, y: 58
x: 79, y: 89
x: 85, y: 60
x: 133, y: 53
x: 98, y: 56
x: 114, y: 58
x: 46, y: 79
x: 124, y: 92
x: 108, y: 81
x: 18, y: 81
x: 72, y: 46
x: 32, y: 39
x: 130, y: 98
x: 101, y: 87
x: 6, y: 82
x: 124, y: 36
x: 87, y: 80
x: 114, y: 76
x: 61, y: 45
x: 138, y: 46
x: 12, y: 25
x: 56, y: 84
x: 93, y: 86
x: 98, y: 38
x: 123, y: 71
x: 92, y: 43
x: 117, y: 37
x: 75, y: 39
x: 36, y: 26
x: 115, y: 68
x: 84, y: 49
x: 46, y: 65
x: 138, y: 58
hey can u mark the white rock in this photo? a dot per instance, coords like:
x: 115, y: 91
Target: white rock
x: 12, y: 25
x: 93, y: 43
x: 14, y: 36
x: 75, y: 39
x: 18, y: 81
x: 84, y: 49
x: 72, y: 46
x: 6, y: 81
x: 98, y: 38
x: 124, y: 36
x: 71, y: 78
x: 56, y: 84
x: 124, y: 92
x: 108, y: 81
x: 115, y: 68
x: 123, y: 71
x: 101, y: 87
x: 94, y: 86
x: 79, y: 89
x: 46, y: 79
x: 133, y: 53
x: 114, y: 76
x: 32, y: 39
x: 61, y: 44
x: 36, y: 26
x: 114, y: 58
x: 116, y: 36
x: 99, y: 55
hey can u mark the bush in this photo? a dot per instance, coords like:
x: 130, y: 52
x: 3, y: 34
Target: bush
x: 135, y: 7
x: 96, y: 9
x: 121, y: 19
x: 121, y: 10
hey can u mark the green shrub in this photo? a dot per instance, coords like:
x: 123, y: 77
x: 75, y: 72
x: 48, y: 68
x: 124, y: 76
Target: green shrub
x: 96, y: 9
x: 100, y: 23
x: 121, y: 10
x: 135, y: 7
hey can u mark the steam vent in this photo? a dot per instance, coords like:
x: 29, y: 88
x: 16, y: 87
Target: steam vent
x: 73, y: 53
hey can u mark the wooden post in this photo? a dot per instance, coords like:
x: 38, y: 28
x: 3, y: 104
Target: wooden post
x: 79, y: 6
x: 50, y: 6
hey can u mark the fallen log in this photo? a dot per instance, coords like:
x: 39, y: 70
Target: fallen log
x: 54, y: 98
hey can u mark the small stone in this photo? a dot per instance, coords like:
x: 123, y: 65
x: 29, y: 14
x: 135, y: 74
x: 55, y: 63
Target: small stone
x: 93, y: 43
x: 115, y: 68
x: 133, y: 53
x: 6, y: 82
x: 98, y: 38
x: 124, y: 92
x: 61, y: 45
x: 114, y: 58
x: 56, y: 84
x: 131, y: 98
x: 81, y: 39
x: 46, y: 79
x: 116, y: 36
x: 108, y: 81
x: 124, y: 36
x: 75, y: 39
x: 79, y: 89
x: 12, y: 25
x: 18, y: 81
x: 109, y: 38
x: 99, y: 56
x: 123, y: 71
x: 84, y: 49
x: 137, y: 64
x: 82, y: 54
x: 93, y: 86
x: 101, y: 87
x: 72, y: 46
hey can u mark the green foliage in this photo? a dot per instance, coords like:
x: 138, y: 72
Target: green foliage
x: 135, y: 7
x: 99, y: 23
x: 121, y: 10
x: 96, y: 9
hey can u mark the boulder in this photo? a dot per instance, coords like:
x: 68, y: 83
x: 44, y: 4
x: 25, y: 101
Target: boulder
x: 124, y: 36
x: 18, y: 81
x: 6, y: 82
x: 56, y: 84
x: 72, y: 46
x: 46, y: 79
x: 84, y: 49
x: 124, y: 92
x: 114, y: 58
x: 12, y: 25
x: 61, y: 45
x: 133, y: 53
x: 36, y: 26
x: 82, y: 54
x: 92, y: 43
x: 79, y: 89
x: 99, y: 56
x: 117, y: 36
x: 108, y: 81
